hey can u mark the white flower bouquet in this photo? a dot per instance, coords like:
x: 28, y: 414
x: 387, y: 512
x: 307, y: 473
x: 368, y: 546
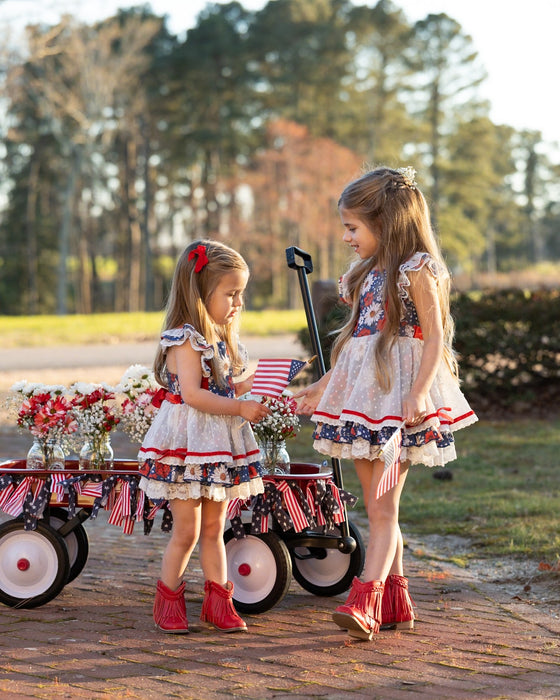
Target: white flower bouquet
x: 281, y: 424
x: 94, y: 409
x: 139, y: 386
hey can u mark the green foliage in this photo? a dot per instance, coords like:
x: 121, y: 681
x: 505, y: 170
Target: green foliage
x: 508, y: 344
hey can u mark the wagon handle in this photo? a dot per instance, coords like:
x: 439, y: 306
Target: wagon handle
x: 346, y: 544
x: 303, y: 270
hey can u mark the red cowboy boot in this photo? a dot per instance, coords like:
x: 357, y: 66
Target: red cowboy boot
x: 170, y: 610
x: 218, y: 610
x: 396, y: 606
x: 361, y: 614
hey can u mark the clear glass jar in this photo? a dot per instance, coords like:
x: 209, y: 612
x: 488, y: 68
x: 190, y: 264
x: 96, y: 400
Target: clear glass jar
x: 97, y: 454
x: 274, y: 457
x: 45, y: 454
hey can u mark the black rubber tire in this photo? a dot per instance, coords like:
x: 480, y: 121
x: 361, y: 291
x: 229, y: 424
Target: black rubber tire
x: 34, y: 564
x: 260, y: 568
x: 76, y: 541
x: 329, y: 572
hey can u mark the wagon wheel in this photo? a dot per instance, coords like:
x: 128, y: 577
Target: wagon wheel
x: 324, y: 571
x: 76, y: 541
x: 34, y: 564
x: 260, y: 569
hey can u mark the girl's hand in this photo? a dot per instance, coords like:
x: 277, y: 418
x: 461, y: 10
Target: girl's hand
x: 253, y: 411
x: 310, y: 397
x: 245, y: 385
x: 414, y: 408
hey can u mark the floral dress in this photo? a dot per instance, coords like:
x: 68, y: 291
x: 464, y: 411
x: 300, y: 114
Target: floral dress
x: 356, y: 417
x: 187, y: 453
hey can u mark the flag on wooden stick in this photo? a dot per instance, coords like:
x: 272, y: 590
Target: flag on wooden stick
x: 391, y: 454
x: 273, y: 376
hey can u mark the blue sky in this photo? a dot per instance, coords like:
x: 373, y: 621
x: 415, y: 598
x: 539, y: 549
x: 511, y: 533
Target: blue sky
x: 516, y: 41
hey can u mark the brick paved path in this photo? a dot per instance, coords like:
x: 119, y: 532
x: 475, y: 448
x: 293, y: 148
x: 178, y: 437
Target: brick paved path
x: 97, y: 640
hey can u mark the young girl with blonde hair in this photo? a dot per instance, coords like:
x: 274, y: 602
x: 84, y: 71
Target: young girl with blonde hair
x: 200, y: 450
x: 393, y: 375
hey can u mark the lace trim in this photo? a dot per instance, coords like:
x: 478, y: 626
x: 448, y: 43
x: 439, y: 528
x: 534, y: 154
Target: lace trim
x: 414, y: 264
x: 159, y: 490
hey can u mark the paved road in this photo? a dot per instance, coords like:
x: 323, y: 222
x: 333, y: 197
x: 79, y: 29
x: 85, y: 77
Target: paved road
x: 97, y: 640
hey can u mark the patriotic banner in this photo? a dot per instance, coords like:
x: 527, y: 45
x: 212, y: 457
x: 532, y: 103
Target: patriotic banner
x: 94, y: 489
x: 294, y: 509
x: 14, y: 506
x: 391, y: 454
x: 6, y: 490
x: 273, y: 376
x: 57, y: 487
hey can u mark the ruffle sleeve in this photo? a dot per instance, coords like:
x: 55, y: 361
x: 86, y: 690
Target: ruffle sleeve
x: 179, y: 336
x: 414, y: 264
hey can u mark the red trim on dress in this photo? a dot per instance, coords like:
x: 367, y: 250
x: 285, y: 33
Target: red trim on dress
x: 183, y: 453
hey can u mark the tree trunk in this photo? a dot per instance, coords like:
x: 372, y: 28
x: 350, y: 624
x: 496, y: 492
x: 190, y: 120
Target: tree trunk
x: 65, y: 233
x: 31, y: 237
x: 134, y: 231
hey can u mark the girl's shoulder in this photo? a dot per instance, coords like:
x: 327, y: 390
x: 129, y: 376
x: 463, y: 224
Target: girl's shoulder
x: 179, y: 336
x: 418, y: 261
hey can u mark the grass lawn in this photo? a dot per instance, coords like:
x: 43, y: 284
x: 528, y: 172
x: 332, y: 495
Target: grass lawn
x: 504, y: 495
x: 25, y: 331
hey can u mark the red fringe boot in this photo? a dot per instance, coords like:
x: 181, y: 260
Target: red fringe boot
x: 170, y: 610
x: 361, y: 614
x: 218, y: 610
x: 396, y: 606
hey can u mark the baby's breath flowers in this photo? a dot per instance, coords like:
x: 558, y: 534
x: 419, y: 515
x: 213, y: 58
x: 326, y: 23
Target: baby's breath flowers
x: 281, y: 424
x: 138, y: 386
x: 94, y: 408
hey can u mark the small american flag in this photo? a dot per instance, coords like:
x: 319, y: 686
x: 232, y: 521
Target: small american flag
x: 273, y: 376
x: 391, y: 453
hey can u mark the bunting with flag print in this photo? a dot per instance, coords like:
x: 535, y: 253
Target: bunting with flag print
x: 272, y: 376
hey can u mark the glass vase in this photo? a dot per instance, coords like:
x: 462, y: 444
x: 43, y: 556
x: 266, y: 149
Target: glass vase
x: 274, y: 457
x: 45, y: 454
x: 96, y: 454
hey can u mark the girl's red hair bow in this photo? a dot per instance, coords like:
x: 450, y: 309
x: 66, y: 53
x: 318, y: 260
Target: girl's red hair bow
x: 202, y: 259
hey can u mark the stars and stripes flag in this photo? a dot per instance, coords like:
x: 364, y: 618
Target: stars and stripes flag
x: 273, y: 376
x: 391, y: 454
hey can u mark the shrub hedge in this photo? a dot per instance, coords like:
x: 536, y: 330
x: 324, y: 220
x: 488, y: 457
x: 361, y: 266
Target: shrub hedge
x: 508, y: 343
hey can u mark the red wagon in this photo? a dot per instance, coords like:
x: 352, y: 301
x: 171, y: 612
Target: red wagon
x: 45, y: 545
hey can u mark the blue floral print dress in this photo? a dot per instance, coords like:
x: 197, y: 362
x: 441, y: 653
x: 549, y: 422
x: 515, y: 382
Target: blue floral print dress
x: 187, y: 453
x: 355, y: 416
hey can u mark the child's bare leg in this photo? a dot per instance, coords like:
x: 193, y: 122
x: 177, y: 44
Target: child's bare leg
x: 212, y: 549
x: 184, y: 536
x: 385, y: 548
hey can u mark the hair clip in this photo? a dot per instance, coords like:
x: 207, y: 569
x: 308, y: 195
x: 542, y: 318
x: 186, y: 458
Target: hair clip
x: 200, y: 254
x: 408, y: 174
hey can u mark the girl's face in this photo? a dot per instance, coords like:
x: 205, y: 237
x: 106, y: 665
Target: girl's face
x: 227, y: 299
x: 359, y: 235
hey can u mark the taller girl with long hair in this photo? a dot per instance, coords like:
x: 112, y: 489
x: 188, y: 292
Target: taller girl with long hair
x: 393, y: 378
x: 199, y: 452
